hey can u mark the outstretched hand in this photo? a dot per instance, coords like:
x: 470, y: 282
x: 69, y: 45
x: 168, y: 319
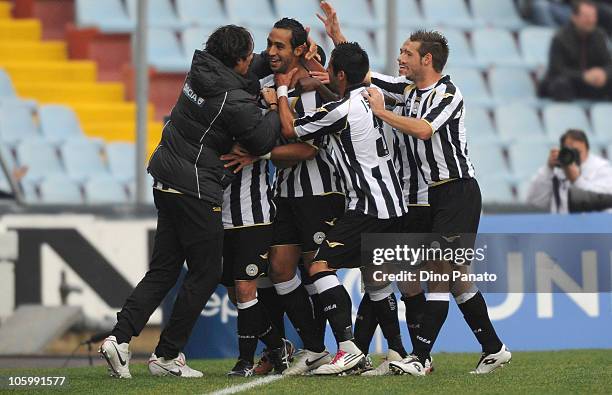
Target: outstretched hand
x: 285, y: 79
x: 331, y: 22
x: 240, y: 161
x: 312, y: 47
x: 376, y: 100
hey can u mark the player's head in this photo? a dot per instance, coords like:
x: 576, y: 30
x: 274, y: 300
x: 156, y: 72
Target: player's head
x: 584, y: 15
x: 286, y: 43
x: 349, y: 65
x: 233, y: 46
x: 423, y: 52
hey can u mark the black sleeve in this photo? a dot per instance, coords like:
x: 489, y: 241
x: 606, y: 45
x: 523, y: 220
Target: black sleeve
x: 559, y: 64
x: 256, y: 132
x: 260, y: 66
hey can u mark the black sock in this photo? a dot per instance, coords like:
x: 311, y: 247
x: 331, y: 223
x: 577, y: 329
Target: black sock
x: 247, y: 338
x: 415, y: 308
x: 257, y: 323
x: 477, y: 317
x: 320, y: 320
x: 336, y: 305
x: 433, y: 319
x: 300, y: 311
x: 386, y: 313
x: 365, y: 324
x: 274, y: 308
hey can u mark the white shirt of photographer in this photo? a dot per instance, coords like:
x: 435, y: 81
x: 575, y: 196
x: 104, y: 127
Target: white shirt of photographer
x: 595, y: 176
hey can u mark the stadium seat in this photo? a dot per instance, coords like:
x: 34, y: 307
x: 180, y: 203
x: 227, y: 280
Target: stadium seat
x: 252, y: 13
x: 356, y: 14
x: 510, y: 84
x: 559, y: 117
x: 109, y: 16
x: 131, y: 187
x: 7, y: 90
x: 83, y: 159
x: 461, y: 53
x: 519, y: 122
x: 601, y: 116
x: 16, y: 123
x: 193, y: 38
x: 408, y: 14
x: 303, y: 11
x: 496, y: 190
x: 526, y: 157
x: 58, y: 123
x: 202, y: 13
x: 498, y: 13
x: 121, y: 160
x: 164, y: 51
x: 452, y: 13
x: 487, y: 159
x: 9, y: 161
x: 479, y: 127
x: 60, y: 189
x: 160, y: 14
x: 496, y: 47
x: 260, y: 37
x: 472, y: 85
x: 535, y: 44
x: 40, y: 157
x: 365, y: 40
x: 105, y: 190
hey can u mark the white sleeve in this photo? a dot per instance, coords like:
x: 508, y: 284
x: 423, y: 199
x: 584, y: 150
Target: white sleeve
x: 600, y: 182
x: 393, y: 87
x: 540, y: 190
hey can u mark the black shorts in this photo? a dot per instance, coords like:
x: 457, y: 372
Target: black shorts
x: 342, y: 247
x: 305, y: 221
x: 455, y: 207
x: 417, y: 220
x: 245, y: 253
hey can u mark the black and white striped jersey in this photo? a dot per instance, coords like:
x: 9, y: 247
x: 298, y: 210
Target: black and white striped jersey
x: 416, y: 190
x: 445, y: 155
x: 359, y: 149
x: 317, y: 176
x: 248, y: 199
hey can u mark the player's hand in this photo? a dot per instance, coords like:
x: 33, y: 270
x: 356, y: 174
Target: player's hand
x: 239, y: 150
x: 269, y: 96
x: 307, y: 84
x: 239, y: 161
x: 331, y: 22
x: 312, y: 47
x: 376, y: 100
x: 285, y: 79
x: 322, y: 76
x: 553, y: 158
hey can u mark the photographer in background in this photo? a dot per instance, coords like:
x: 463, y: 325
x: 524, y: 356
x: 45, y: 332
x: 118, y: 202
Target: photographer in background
x: 570, y: 167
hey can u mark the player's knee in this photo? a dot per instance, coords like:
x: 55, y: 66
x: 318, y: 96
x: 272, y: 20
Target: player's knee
x: 317, y: 267
x: 246, y: 291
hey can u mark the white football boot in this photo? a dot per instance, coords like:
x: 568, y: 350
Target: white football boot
x: 306, y: 361
x: 383, y: 368
x: 490, y: 362
x: 342, y: 364
x: 117, y: 357
x: 176, y: 367
x: 411, y: 365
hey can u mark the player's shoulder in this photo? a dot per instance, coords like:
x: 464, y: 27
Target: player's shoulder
x: 446, y: 86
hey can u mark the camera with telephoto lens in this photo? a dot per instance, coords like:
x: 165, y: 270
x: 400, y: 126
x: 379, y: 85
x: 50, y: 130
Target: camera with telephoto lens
x: 567, y: 156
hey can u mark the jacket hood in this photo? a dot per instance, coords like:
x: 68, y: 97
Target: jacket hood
x: 213, y: 76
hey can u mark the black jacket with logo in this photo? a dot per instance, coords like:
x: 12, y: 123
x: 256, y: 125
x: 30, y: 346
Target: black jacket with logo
x: 213, y: 111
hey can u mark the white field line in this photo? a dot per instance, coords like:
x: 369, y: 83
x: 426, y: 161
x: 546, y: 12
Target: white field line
x: 247, y: 386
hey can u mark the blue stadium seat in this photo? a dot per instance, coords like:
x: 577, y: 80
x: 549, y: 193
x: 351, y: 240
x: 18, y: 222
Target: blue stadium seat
x: 303, y: 11
x: 160, y: 14
x: 252, y: 13
x: 510, y: 84
x: 601, y: 116
x: 164, y: 51
x: 452, y: 13
x: 59, y: 123
x: 192, y: 39
x: 496, y: 190
x: 535, y: 44
x: 7, y: 90
x: 9, y: 161
x: 461, y: 53
x: 526, y: 157
x: 109, y: 16
x: 522, y: 187
x: 121, y: 160
x: 60, y: 189
x: 496, y: 47
x: 356, y: 14
x: 366, y: 41
x: 519, y: 122
x: 408, y: 14
x: 105, y: 190
x: 40, y: 157
x: 131, y: 186
x: 83, y: 159
x: 479, y: 126
x: 260, y: 37
x: 559, y: 117
x: 487, y: 159
x: 498, y: 13
x: 16, y: 123
x: 472, y: 85
x: 206, y: 13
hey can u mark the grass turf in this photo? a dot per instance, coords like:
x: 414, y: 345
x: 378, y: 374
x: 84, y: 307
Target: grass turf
x: 556, y: 372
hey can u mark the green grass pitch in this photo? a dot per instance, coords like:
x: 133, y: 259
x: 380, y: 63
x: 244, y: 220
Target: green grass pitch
x: 555, y: 372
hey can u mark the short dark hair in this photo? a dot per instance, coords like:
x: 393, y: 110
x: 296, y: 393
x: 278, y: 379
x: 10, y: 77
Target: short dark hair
x: 229, y: 44
x: 577, y: 3
x: 298, y: 33
x: 574, y: 134
x: 435, y: 43
x: 352, y: 59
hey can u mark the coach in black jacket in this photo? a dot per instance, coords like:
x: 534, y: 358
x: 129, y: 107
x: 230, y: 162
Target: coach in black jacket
x: 213, y: 111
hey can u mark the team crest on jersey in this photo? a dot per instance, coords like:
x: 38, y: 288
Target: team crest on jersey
x: 319, y: 237
x: 252, y: 270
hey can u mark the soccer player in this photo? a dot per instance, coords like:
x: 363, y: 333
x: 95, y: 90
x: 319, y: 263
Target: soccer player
x: 369, y: 179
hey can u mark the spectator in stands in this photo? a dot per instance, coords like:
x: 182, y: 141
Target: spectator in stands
x: 580, y: 65
x: 571, y: 165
